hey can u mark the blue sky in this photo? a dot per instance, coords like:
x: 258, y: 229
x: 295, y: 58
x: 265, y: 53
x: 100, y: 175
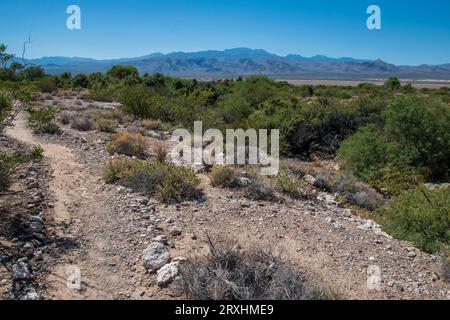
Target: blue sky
x: 413, y: 32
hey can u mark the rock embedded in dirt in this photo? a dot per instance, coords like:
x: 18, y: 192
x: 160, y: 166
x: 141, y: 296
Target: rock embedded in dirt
x: 175, y: 231
x: 167, y: 274
x: 155, y: 256
x: 21, y: 271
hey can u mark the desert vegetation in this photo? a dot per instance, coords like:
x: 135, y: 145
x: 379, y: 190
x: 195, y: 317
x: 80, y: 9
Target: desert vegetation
x: 381, y: 151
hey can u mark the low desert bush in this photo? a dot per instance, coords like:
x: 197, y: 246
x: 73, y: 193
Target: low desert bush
x: 65, y: 117
x: 105, y: 125
x: 260, y: 190
x: 160, y: 151
x: 128, y: 144
x: 228, y: 273
x: 291, y: 184
x: 81, y: 122
x: 420, y: 216
x: 151, y: 124
x: 46, y: 84
x: 43, y: 120
x: 350, y: 189
x: 165, y: 181
x: 224, y: 177
x: 10, y: 163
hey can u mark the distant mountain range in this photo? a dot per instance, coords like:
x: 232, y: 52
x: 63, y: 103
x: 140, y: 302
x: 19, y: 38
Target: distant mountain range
x: 244, y: 62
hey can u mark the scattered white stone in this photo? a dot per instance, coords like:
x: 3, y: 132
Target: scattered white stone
x: 167, y: 274
x: 21, y: 271
x: 155, y: 256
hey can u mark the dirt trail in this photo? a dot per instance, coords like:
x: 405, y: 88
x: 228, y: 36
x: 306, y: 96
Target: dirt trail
x: 106, y: 229
x: 78, y: 202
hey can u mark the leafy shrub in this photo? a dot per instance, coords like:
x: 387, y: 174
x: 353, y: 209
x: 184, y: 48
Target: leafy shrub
x: 122, y: 72
x: 421, y: 217
x: 394, y: 180
x: 10, y: 163
x: 290, y: 184
x: 43, y: 120
x: 421, y: 127
x: 101, y: 94
x: 128, y: 144
x: 321, y: 129
x: 81, y: 122
x: 150, y: 124
x: 392, y: 83
x: 223, y: 176
x: 47, y: 84
x: 165, y: 181
x: 105, y: 125
x: 227, y: 273
x: 136, y: 101
x: 367, y: 151
x: 80, y: 81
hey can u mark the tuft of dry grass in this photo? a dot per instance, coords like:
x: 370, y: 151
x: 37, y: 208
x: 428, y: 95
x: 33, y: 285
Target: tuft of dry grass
x: 128, y: 144
x: 228, y: 273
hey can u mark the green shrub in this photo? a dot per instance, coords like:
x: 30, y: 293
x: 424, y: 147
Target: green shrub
x: 392, y: 83
x: 47, y: 84
x: 421, y: 217
x: 126, y: 143
x: 102, y: 94
x: 136, y: 101
x: 43, y: 120
x: 223, y: 176
x: 105, y: 125
x: 290, y: 184
x: 367, y: 151
x: 421, y: 127
x: 165, y: 181
x: 81, y: 122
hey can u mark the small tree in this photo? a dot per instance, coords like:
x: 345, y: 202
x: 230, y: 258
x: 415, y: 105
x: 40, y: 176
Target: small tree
x: 393, y: 83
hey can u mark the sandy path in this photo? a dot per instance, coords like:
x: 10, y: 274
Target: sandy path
x: 78, y: 202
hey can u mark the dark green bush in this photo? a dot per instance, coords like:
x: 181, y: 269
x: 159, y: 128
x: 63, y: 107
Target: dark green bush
x: 367, y: 151
x: 420, y: 216
x: 421, y: 127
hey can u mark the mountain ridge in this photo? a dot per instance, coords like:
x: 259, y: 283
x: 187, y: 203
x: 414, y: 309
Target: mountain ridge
x: 244, y: 62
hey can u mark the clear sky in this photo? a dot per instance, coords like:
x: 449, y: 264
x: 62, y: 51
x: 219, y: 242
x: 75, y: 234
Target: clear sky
x: 413, y: 32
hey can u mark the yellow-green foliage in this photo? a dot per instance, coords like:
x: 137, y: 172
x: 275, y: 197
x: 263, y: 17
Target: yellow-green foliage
x: 106, y: 125
x: 290, y: 184
x: 165, y: 181
x: 223, y: 176
x: 127, y: 143
x: 420, y: 216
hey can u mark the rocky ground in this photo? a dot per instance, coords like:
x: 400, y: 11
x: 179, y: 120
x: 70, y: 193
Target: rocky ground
x: 127, y: 246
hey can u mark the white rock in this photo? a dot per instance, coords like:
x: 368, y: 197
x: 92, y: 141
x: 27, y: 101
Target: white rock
x: 310, y: 179
x: 21, y: 271
x: 155, y: 256
x: 167, y: 274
